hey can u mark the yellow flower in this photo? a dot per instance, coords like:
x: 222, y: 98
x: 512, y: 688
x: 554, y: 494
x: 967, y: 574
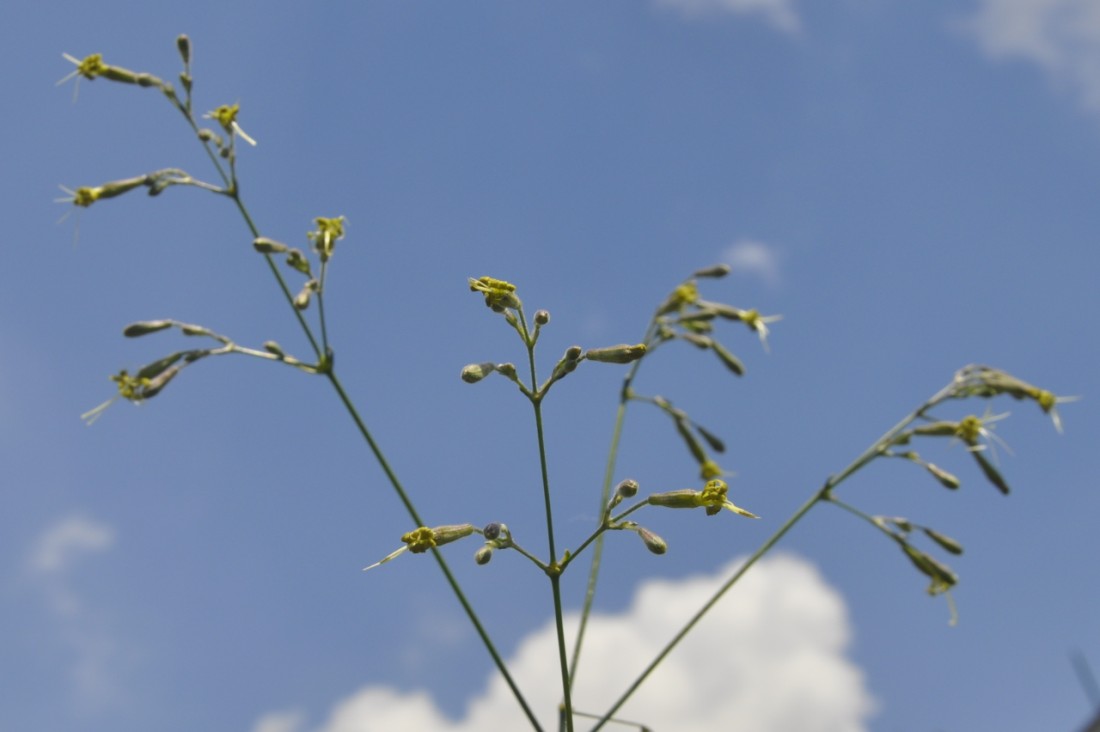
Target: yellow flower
x: 713, y: 498
x: 226, y: 116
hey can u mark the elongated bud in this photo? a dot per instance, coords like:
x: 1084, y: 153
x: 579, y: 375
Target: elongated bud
x: 937, y: 429
x: 183, y: 44
x: 730, y: 361
x: 945, y: 478
x: 301, y: 300
x: 145, y: 327
x: 573, y: 353
x: 652, y: 542
x: 627, y: 488
x: 991, y: 473
x: 483, y: 555
x: 699, y: 341
x: 622, y: 353
x: 542, y: 317
x: 155, y: 369
x: 159, y: 382
x: 683, y: 498
x: 269, y: 246
x: 507, y: 370
x: 475, y: 372
x: 946, y: 542
x: 715, y: 271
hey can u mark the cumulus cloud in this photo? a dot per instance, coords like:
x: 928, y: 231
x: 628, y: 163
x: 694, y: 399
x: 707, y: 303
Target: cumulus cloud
x: 779, y: 14
x: 289, y: 721
x: 1061, y: 36
x: 747, y: 256
x: 770, y: 657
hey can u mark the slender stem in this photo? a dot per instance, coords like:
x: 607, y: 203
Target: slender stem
x: 823, y: 494
x: 321, y: 305
x: 375, y: 449
x: 554, y: 570
x: 455, y: 587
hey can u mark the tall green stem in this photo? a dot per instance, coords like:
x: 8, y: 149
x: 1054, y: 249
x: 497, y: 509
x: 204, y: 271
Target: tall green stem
x: 554, y: 570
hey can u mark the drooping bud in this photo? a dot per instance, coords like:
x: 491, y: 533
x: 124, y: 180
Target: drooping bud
x: 622, y: 353
x: 483, y: 555
x: 991, y: 473
x: 296, y: 259
x: 475, y: 372
x: 945, y: 478
x: 492, y: 531
x: 728, y: 359
x: 652, y: 542
x: 946, y: 542
x: 301, y: 300
x: 507, y: 370
x: 156, y: 368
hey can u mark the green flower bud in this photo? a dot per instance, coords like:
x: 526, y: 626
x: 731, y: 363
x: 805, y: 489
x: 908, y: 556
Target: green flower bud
x: 573, y: 353
x: 475, y: 372
x: 145, y: 327
x: 183, y: 44
x: 268, y: 246
x: 274, y: 348
x: 715, y: 271
x: 728, y: 359
x: 483, y: 555
x: 622, y: 353
x: 155, y: 369
x: 652, y: 542
x: 627, y: 488
x: 683, y: 498
x: 991, y: 473
x: 542, y: 317
x: 945, y: 478
x: 301, y: 300
x: 946, y: 542
x: 507, y: 370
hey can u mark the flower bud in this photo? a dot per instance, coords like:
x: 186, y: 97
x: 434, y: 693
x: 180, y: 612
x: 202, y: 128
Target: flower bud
x: 730, y: 361
x: 945, y: 478
x: 946, y: 542
x: 715, y: 271
x: 627, y: 488
x: 573, y: 353
x: 507, y: 370
x: 145, y: 327
x: 652, y: 542
x: 483, y: 555
x: 268, y: 246
x: 492, y: 531
x: 183, y: 44
x: 301, y: 300
x: 542, y: 317
x: 475, y: 372
x: 274, y: 348
x: 622, y: 353
x: 683, y: 498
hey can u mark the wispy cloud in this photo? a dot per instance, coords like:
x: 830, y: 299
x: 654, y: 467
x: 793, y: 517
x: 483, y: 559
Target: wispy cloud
x: 289, y: 721
x: 780, y: 14
x: 93, y: 651
x: 1061, y: 36
x: 67, y: 541
x: 781, y: 665
x: 751, y: 257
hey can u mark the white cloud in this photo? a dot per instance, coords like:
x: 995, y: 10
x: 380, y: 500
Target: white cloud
x: 94, y: 654
x: 290, y: 721
x: 769, y: 657
x: 61, y: 544
x: 1061, y: 36
x: 778, y: 13
x: 747, y: 256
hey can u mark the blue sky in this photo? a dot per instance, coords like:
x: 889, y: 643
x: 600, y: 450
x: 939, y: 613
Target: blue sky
x: 912, y: 186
